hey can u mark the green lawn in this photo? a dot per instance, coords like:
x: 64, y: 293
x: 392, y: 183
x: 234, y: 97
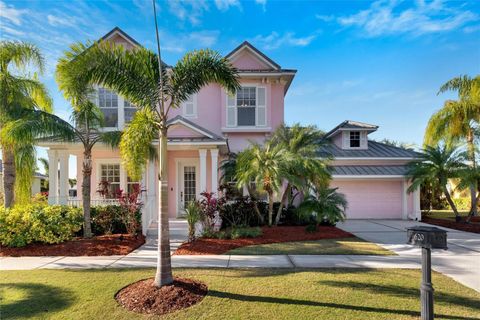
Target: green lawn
x: 444, y: 214
x: 323, y: 247
x: 239, y: 294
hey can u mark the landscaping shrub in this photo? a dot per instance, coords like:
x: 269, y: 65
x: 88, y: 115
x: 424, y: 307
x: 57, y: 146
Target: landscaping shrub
x: 114, y: 219
x: 245, y: 232
x: 193, y: 216
x: 311, y: 228
x: 462, y: 203
x: 238, y: 212
x: 38, y: 222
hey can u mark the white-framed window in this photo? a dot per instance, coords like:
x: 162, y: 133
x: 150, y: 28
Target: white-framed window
x: 354, y: 139
x: 110, y: 179
x: 108, y: 104
x: 189, y: 107
x: 247, y: 108
x: 129, y: 110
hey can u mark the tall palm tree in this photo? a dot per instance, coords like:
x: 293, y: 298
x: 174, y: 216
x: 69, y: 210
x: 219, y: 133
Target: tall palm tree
x: 87, y: 129
x: 302, y: 143
x: 265, y: 166
x: 436, y: 165
x: 20, y: 93
x: 458, y: 121
x: 135, y: 75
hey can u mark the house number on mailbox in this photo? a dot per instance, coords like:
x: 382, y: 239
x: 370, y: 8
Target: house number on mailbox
x: 419, y: 237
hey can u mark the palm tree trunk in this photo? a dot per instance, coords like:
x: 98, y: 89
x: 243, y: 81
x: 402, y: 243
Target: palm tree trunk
x: 86, y: 189
x: 282, y: 201
x: 450, y: 201
x: 270, y: 208
x: 163, y: 275
x: 8, y: 176
x: 255, y: 205
x: 473, y: 185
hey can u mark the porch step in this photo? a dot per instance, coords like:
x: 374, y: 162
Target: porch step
x: 178, y: 231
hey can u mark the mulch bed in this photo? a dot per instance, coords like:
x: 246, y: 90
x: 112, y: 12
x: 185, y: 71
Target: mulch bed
x: 144, y: 297
x: 473, y: 226
x: 204, y: 246
x: 116, y: 244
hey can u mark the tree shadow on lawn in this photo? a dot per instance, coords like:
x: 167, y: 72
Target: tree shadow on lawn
x: 247, y: 298
x: 36, y: 300
x: 399, y: 291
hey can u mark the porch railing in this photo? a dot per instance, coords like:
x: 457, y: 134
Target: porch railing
x: 73, y: 202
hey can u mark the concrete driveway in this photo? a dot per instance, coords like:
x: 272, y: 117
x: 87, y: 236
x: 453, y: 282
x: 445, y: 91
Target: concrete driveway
x: 461, y: 261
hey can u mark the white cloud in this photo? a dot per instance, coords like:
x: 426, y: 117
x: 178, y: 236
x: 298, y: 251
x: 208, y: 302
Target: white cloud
x: 325, y: 18
x: 178, y: 43
x: 391, y: 17
x: 224, y: 5
x: 274, y: 40
x: 11, y: 14
x: 263, y: 3
x: 191, y: 10
x: 58, y: 21
x: 10, y: 31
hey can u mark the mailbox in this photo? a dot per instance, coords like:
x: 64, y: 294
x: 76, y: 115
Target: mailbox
x: 427, y: 237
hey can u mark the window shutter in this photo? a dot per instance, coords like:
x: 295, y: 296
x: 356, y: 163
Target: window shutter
x: 231, y: 108
x: 363, y: 139
x: 346, y: 139
x: 189, y: 107
x: 261, y: 106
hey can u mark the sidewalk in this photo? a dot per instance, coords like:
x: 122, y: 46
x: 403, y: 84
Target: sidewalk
x: 459, y: 262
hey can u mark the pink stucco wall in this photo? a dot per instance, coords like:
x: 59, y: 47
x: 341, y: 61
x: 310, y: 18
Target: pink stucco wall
x: 246, y: 60
x: 372, y: 199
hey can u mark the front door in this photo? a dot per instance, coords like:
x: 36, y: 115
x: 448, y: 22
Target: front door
x: 188, y: 184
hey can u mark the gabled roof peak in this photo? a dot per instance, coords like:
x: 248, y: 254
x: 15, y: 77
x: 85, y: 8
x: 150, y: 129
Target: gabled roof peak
x: 355, y: 125
x: 122, y: 33
x: 258, y: 53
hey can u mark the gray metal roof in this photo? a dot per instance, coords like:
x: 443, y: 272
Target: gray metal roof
x: 214, y: 136
x: 375, y: 150
x: 369, y: 170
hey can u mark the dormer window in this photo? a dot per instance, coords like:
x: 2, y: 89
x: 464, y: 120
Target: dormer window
x: 354, y: 139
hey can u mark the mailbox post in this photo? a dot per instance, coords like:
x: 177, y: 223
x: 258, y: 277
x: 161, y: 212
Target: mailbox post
x: 427, y: 238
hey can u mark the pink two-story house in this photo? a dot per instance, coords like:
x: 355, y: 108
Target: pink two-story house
x: 211, y: 124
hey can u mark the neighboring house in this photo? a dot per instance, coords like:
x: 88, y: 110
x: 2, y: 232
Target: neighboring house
x: 211, y: 124
x: 371, y: 174
x: 37, y: 182
x: 202, y: 132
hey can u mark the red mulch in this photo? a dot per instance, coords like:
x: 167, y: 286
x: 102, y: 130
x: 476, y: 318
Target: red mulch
x: 144, y: 297
x: 115, y: 244
x: 462, y: 226
x: 270, y: 235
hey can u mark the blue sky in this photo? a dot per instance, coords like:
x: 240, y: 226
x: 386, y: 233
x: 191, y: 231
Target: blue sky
x: 379, y: 62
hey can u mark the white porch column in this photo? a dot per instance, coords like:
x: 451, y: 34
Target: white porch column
x: 214, y: 154
x: 52, y: 176
x: 203, y: 169
x: 417, y: 214
x: 405, y: 200
x: 63, y: 156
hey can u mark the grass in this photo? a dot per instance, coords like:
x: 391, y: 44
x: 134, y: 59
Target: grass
x: 239, y: 294
x: 351, y: 245
x: 444, y: 214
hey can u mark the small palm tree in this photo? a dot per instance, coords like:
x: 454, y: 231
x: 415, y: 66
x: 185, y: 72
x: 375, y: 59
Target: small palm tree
x: 326, y: 204
x: 302, y: 143
x: 436, y: 165
x: 458, y: 121
x: 265, y: 166
x: 155, y: 89
x: 20, y: 93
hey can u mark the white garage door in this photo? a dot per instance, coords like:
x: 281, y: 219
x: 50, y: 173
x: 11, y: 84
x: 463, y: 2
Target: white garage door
x: 372, y: 199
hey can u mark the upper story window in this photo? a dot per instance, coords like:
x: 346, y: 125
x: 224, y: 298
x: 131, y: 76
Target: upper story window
x: 247, y: 108
x: 108, y: 104
x: 190, y: 107
x: 129, y: 110
x: 354, y: 139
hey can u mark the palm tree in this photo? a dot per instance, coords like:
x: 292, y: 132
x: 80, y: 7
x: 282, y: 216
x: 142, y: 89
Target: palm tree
x: 302, y: 143
x: 20, y: 93
x: 265, y: 166
x: 87, y: 129
x: 135, y: 75
x: 326, y: 203
x: 457, y: 122
x: 436, y: 165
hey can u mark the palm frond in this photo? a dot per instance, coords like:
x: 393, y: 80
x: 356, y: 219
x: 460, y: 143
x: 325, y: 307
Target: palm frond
x: 21, y: 54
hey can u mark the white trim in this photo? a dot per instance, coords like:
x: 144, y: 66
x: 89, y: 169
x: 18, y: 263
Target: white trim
x: 191, y: 127
x: 200, y: 143
x: 266, y: 74
x: 246, y: 129
x: 235, y: 55
x: 53, y: 176
x: 203, y: 169
x: 367, y: 177
x: 214, y: 162
x: 235, y: 107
